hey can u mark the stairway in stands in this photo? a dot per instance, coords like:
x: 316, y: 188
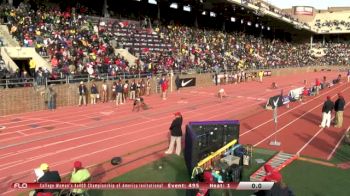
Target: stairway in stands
x: 127, y: 56
x: 278, y: 162
x: 12, y: 50
x: 140, y: 39
x: 132, y: 37
x: 7, y: 38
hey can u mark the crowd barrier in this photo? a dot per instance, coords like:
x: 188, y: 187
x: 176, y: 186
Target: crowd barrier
x: 66, y: 88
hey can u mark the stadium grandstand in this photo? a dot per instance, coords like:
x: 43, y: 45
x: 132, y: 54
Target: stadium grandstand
x: 229, y: 34
x: 55, y: 55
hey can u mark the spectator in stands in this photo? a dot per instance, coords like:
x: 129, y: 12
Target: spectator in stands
x: 339, y: 110
x: 327, y: 112
x: 82, y: 93
x: 175, y: 134
x: 48, y: 176
x: 79, y: 175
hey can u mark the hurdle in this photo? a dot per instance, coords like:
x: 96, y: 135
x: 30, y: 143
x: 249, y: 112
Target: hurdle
x: 208, y: 161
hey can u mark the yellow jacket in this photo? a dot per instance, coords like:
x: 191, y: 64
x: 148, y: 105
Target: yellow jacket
x: 82, y: 175
x: 32, y: 64
x: 261, y: 74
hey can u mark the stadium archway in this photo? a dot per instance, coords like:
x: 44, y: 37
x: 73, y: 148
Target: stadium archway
x: 23, y: 65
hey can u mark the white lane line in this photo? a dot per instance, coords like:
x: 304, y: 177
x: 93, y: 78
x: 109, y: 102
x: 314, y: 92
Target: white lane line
x: 336, y: 146
x: 286, y: 112
x: 90, y: 143
x: 313, y: 137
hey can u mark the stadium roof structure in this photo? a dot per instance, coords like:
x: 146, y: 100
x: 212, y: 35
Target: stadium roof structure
x: 242, y: 10
x: 258, y: 11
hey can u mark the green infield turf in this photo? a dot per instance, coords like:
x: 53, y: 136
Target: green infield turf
x: 303, y: 177
x: 173, y: 170
x: 310, y: 179
x: 342, y: 154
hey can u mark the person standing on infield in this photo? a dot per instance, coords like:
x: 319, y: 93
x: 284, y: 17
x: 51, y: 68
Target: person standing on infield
x: 176, y: 134
x: 339, y: 110
x: 327, y: 112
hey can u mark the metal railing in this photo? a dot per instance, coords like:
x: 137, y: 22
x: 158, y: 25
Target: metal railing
x: 67, y: 79
x: 71, y: 79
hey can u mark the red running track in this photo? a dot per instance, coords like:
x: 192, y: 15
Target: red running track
x: 96, y: 133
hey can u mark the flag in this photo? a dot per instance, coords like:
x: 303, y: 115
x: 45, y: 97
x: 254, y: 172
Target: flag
x: 123, y: 24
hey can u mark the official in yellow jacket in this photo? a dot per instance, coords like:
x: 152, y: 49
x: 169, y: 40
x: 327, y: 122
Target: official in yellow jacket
x: 79, y: 175
x: 32, y: 66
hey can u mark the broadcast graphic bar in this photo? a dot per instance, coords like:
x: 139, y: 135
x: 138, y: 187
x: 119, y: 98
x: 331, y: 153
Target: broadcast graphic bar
x: 147, y: 185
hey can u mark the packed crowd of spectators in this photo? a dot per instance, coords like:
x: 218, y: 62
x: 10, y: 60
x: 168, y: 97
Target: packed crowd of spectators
x: 74, y: 45
x: 333, y: 24
x: 77, y: 46
x: 235, y: 51
x: 334, y: 54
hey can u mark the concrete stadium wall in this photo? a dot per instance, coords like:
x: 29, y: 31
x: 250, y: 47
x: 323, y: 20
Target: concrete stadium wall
x: 28, y: 99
